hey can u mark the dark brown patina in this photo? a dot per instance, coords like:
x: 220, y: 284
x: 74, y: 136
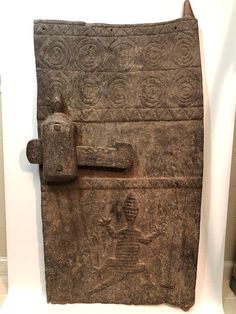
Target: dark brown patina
x: 120, y: 117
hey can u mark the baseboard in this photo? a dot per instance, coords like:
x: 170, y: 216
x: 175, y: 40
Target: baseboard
x: 3, y: 266
x: 3, y: 279
x: 233, y: 284
x: 228, y: 269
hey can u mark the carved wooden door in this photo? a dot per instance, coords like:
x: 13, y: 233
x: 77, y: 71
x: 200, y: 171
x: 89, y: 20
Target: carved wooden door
x: 120, y: 153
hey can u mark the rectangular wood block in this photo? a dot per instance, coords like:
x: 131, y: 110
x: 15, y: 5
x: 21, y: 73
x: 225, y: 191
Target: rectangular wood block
x: 125, y: 236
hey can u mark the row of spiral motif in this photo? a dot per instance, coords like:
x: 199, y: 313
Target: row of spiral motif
x: 149, y: 91
x: 90, y: 54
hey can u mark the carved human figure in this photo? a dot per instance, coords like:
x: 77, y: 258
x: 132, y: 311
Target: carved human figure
x: 127, y: 251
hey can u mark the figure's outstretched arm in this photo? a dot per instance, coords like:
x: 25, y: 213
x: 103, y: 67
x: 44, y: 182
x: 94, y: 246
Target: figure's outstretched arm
x: 147, y: 239
x: 106, y: 222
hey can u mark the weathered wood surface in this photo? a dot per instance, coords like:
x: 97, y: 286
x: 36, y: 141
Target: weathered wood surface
x: 119, y: 156
x: 59, y: 153
x: 124, y: 236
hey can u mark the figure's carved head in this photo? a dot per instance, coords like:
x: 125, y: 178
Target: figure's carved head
x: 130, y: 208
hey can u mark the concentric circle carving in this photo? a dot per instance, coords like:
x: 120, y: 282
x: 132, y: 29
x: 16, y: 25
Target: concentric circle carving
x: 89, y: 54
x: 89, y: 89
x: 186, y: 88
x: 55, y: 53
x: 123, y: 54
x: 118, y: 91
x: 151, y: 91
x: 154, y: 54
x: 184, y: 52
x: 51, y: 83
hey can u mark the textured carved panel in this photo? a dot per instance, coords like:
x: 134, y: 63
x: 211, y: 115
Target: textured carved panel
x: 118, y: 54
x: 173, y: 94
x: 123, y: 236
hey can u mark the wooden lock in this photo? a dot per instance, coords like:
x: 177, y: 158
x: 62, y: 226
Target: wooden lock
x: 59, y: 155
x: 59, y: 149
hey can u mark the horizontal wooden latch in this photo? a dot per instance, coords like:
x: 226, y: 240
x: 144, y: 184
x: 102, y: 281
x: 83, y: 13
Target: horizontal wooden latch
x: 60, y: 156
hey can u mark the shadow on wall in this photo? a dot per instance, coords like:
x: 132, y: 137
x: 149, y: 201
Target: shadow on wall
x: 230, y: 241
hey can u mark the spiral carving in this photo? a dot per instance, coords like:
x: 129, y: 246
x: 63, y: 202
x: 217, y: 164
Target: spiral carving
x: 51, y: 83
x: 118, y: 91
x: 55, y: 53
x: 89, y: 54
x: 123, y: 55
x: 154, y: 54
x: 89, y: 90
x: 186, y: 88
x: 151, y: 91
x: 184, y: 52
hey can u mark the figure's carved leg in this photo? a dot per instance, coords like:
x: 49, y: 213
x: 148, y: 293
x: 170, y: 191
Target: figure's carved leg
x: 114, y: 279
x: 109, y: 262
x: 147, y: 277
x: 167, y: 281
x: 141, y: 267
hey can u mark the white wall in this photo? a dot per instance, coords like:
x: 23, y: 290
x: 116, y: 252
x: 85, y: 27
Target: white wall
x: 217, y: 21
x: 3, y: 249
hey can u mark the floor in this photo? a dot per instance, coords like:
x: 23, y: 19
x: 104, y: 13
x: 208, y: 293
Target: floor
x: 229, y: 299
x: 3, y: 288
